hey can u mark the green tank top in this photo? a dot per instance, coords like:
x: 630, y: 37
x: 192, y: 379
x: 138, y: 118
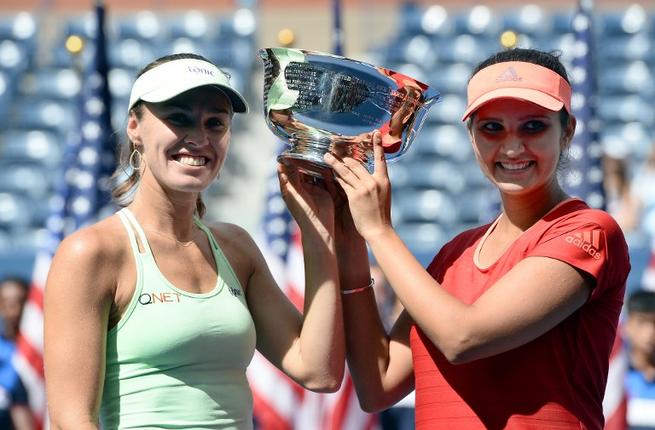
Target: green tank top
x: 177, y: 360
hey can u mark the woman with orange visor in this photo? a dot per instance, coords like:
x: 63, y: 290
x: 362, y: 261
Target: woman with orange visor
x: 512, y: 323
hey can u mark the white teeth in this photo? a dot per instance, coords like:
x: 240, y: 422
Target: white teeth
x: 191, y: 161
x: 515, y: 166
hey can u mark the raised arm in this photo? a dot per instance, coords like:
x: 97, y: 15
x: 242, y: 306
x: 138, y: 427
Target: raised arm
x: 380, y: 363
x: 308, y: 347
x: 533, y: 297
x: 78, y: 297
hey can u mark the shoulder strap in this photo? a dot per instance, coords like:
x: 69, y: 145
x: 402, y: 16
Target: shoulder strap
x: 139, y: 231
x: 130, y: 230
x: 223, y: 265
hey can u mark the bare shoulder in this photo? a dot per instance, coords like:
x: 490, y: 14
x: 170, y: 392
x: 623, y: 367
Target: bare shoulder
x: 100, y: 241
x: 94, y: 253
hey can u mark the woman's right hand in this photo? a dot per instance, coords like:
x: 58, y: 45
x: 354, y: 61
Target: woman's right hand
x: 369, y: 195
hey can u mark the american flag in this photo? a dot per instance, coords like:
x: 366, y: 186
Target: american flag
x: 585, y: 179
x: 585, y: 176
x: 280, y: 403
x: 80, y: 195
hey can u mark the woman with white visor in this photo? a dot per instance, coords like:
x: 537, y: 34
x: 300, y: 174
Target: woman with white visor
x: 152, y: 315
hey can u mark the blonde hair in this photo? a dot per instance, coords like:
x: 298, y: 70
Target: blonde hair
x: 126, y: 178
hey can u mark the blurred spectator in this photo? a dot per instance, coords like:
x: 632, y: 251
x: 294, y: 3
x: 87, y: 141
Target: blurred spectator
x: 643, y: 202
x: 14, y: 410
x: 643, y: 194
x: 640, y: 380
x: 620, y: 201
x: 13, y: 294
x: 401, y: 415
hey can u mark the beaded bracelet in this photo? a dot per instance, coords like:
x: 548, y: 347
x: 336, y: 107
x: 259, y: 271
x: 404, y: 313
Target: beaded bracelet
x: 360, y: 289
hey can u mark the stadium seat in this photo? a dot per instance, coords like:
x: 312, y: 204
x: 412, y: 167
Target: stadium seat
x: 242, y: 23
x: 627, y: 109
x: 450, y: 78
x: 14, y: 58
x: 14, y: 212
x: 529, y: 19
x: 630, y: 20
x: 423, y: 239
x: 41, y: 147
x: 144, y: 25
x: 5, y: 242
x: 475, y: 179
x: 26, y: 240
x: 6, y: 93
x: 20, y: 28
x: 55, y: 83
x: 40, y: 113
x: 132, y: 53
x: 560, y: 21
x: 16, y: 261
x: 82, y: 25
x: 436, y: 21
x: 424, y: 206
x: 120, y: 82
x: 449, y: 110
x: 634, y: 139
x: 192, y: 24
x: 475, y: 206
x: 622, y: 48
x: 466, y: 48
x: 440, y: 174
x: 450, y: 141
x: 625, y: 78
x: 26, y: 180
x: 411, y: 18
x: 480, y: 20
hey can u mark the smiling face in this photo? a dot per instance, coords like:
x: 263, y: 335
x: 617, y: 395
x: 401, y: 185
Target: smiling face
x: 184, y: 140
x: 518, y: 145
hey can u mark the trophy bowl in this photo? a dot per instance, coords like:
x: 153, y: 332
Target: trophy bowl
x: 320, y: 103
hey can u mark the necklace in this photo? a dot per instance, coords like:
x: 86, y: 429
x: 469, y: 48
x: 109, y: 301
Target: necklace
x: 178, y: 242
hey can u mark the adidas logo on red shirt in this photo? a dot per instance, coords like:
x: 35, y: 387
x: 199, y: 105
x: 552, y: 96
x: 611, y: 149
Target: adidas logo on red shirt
x: 588, y: 241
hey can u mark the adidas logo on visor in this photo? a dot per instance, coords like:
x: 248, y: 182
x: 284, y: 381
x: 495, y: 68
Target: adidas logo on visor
x: 509, y: 75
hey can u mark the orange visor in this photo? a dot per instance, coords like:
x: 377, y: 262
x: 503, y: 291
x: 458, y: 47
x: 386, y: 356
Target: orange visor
x: 518, y: 80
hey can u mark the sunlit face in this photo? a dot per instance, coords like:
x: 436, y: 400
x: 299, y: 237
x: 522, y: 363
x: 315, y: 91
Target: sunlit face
x: 184, y: 140
x: 518, y: 145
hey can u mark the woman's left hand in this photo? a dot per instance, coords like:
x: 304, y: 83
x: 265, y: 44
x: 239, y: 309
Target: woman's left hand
x: 308, y: 201
x: 369, y: 195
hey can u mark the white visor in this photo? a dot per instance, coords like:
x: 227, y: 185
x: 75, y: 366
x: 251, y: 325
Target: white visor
x: 175, y: 77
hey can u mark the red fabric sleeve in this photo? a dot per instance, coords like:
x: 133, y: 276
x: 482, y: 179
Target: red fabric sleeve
x: 587, y: 240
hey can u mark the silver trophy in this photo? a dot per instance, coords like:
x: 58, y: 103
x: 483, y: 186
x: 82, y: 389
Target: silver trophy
x: 322, y: 103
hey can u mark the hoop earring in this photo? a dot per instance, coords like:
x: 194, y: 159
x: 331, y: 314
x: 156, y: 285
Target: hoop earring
x: 135, y: 160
